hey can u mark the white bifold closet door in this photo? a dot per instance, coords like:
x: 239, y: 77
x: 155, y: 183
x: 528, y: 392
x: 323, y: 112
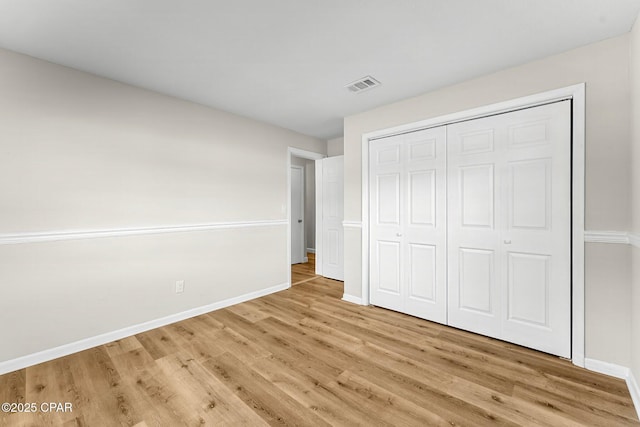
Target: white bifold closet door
x: 408, y: 223
x: 509, y: 227
x: 470, y: 225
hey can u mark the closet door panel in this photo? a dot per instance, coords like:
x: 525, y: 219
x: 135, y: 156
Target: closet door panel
x: 385, y: 198
x: 473, y: 177
x: 509, y: 196
x: 408, y: 223
x: 424, y: 219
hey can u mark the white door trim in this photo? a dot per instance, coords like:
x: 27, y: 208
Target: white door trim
x: 577, y: 94
x: 297, y: 152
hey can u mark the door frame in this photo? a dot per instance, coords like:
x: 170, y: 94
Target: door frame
x: 575, y: 93
x: 309, y: 155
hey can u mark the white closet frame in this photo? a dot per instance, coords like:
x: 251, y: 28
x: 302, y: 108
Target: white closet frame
x: 576, y: 93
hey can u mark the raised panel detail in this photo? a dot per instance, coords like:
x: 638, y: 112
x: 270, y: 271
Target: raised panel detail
x: 477, y: 142
x: 389, y: 155
x: 530, y: 198
x: 476, y: 276
x: 476, y: 190
x: 422, y: 272
x: 529, y: 288
x: 422, y: 197
x: 389, y: 266
x: 528, y: 133
x: 422, y: 150
x: 389, y: 199
x: 332, y: 249
x: 332, y: 200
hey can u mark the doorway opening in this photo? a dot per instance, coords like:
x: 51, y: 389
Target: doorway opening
x: 301, y: 202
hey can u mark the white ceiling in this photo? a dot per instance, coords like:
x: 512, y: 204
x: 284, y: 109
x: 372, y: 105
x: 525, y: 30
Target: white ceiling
x: 286, y: 62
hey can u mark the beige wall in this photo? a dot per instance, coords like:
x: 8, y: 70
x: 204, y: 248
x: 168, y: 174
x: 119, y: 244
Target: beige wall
x: 604, y: 68
x: 78, y: 152
x: 335, y: 147
x: 634, y: 51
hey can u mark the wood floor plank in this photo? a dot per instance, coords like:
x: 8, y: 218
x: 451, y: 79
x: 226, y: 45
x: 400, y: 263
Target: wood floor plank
x: 205, y: 394
x: 274, y: 406
x: 390, y: 408
x: 570, y: 408
x: 305, y: 357
x: 302, y: 385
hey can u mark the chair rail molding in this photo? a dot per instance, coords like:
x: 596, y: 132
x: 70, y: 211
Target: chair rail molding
x: 614, y: 237
x: 352, y: 224
x: 54, y: 236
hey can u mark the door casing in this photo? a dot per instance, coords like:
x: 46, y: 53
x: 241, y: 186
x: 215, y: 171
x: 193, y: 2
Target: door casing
x: 305, y: 154
x: 575, y: 93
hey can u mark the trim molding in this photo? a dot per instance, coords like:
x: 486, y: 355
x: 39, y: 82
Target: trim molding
x: 87, y: 343
x: 619, y: 237
x: 606, y: 368
x: 352, y: 224
x: 56, y: 236
x: 311, y: 251
x: 617, y: 371
x: 634, y: 390
x: 352, y: 299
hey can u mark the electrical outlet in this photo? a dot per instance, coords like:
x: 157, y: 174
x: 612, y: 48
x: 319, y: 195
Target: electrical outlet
x: 179, y: 286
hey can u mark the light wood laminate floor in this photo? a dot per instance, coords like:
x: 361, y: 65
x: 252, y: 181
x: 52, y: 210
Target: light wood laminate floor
x: 304, y: 357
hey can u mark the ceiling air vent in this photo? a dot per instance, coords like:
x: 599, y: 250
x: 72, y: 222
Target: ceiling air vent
x: 363, y: 84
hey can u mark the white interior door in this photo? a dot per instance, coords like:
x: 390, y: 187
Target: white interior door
x: 509, y: 233
x: 408, y: 223
x: 297, y: 215
x: 331, y: 174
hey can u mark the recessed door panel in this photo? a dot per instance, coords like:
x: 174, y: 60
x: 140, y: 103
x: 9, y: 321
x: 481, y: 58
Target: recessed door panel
x: 528, y: 288
x: 476, y: 142
x: 475, y: 280
x: 422, y: 197
x: 422, y: 150
x: 389, y: 155
x: 530, y: 195
x: 528, y: 133
x: 422, y: 277
x: 388, y: 199
x: 477, y: 194
x: 388, y: 264
x: 332, y: 253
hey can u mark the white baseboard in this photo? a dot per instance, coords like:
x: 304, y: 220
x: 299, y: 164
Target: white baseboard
x: 305, y: 260
x: 87, y: 343
x: 311, y: 250
x: 606, y: 368
x: 617, y: 371
x: 352, y: 299
x: 634, y: 390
